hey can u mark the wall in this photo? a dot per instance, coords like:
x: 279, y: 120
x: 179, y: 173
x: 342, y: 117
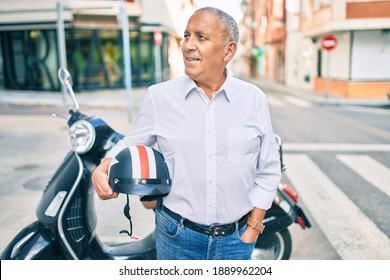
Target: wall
x: 300, y: 51
x: 371, y: 55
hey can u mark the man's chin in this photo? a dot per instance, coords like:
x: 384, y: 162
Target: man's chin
x: 189, y: 73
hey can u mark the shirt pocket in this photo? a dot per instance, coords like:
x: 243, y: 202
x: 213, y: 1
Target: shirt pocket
x: 242, y: 142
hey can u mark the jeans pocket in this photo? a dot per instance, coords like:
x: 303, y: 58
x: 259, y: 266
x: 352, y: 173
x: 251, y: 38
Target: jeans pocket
x: 239, y: 233
x: 166, y: 225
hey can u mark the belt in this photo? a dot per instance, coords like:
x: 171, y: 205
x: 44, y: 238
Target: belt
x: 216, y: 231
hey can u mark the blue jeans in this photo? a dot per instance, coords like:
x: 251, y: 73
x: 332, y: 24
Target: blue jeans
x: 176, y: 242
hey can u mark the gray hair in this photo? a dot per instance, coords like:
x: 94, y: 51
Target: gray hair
x: 229, y: 25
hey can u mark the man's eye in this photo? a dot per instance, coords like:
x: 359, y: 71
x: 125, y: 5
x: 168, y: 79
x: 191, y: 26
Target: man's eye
x: 186, y: 36
x: 201, y: 37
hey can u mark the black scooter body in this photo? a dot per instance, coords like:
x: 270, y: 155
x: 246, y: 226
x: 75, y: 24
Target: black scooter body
x: 32, y: 243
x: 70, y: 233
x: 66, y: 217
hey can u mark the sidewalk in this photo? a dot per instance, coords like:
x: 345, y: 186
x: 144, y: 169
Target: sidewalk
x: 117, y: 98
x: 106, y: 98
x: 320, y: 98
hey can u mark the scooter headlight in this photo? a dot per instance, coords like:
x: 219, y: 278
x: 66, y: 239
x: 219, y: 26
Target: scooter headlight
x: 81, y: 136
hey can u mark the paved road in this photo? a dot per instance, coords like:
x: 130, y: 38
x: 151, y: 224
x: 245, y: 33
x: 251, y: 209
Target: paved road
x: 338, y: 161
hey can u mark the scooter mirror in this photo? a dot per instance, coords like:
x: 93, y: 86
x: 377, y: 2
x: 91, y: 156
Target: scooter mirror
x: 66, y: 79
x: 64, y: 76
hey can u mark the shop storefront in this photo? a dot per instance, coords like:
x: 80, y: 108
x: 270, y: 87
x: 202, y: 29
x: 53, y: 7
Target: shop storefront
x: 29, y: 53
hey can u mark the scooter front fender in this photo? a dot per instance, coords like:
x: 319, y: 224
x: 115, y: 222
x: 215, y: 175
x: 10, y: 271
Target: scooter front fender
x: 67, y: 209
x: 32, y: 243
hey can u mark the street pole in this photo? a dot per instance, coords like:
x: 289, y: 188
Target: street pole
x: 328, y: 43
x: 61, y: 42
x: 327, y: 76
x: 123, y: 18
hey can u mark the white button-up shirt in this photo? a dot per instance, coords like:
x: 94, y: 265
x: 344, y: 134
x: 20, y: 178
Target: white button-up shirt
x: 221, y: 152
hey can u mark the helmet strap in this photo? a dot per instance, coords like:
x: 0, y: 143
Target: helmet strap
x: 126, y: 212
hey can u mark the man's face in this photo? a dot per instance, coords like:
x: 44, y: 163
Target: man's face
x: 204, y: 51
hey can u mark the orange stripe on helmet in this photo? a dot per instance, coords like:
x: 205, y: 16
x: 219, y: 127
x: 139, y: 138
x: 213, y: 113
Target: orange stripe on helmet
x: 143, y: 157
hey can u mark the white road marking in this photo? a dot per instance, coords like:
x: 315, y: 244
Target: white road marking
x: 371, y: 170
x: 343, y: 147
x: 283, y: 101
x: 274, y: 101
x: 297, y: 101
x: 347, y: 228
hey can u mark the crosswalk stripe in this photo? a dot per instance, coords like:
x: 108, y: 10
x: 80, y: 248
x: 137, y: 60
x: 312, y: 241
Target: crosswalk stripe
x: 371, y: 170
x: 283, y: 101
x: 275, y: 102
x: 347, y: 228
x: 297, y: 101
x: 336, y: 147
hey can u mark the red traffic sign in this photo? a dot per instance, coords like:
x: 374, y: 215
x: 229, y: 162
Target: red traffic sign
x: 328, y: 42
x: 157, y: 37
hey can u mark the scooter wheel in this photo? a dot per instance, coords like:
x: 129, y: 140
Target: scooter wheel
x: 277, y: 246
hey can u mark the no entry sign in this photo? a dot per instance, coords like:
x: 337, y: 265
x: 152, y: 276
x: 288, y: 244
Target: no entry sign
x: 328, y: 42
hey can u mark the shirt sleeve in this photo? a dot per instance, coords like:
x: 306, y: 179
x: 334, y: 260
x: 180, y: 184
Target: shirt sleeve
x: 142, y: 132
x: 268, y: 171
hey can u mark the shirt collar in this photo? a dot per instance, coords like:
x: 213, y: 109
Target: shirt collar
x: 191, y: 86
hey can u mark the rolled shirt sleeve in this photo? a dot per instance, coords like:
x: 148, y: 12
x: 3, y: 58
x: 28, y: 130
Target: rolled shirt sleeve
x: 268, y: 171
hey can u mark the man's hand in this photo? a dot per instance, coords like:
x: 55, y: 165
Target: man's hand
x: 250, y: 234
x: 100, y: 181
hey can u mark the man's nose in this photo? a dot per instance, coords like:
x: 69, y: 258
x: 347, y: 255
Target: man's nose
x: 189, y: 44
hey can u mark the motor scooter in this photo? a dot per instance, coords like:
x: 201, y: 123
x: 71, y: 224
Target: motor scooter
x: 66, y: 218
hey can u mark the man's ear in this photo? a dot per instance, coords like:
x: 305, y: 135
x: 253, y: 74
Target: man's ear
x: 231, y: 49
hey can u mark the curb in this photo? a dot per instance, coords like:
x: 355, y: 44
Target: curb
x: 319, y: 98
x: 98, y: 99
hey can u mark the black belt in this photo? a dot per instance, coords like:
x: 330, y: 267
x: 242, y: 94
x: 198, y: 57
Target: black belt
x: 216, y: 231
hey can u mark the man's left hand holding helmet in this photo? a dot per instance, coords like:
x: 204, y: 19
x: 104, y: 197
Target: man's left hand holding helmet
x: 100, y: 181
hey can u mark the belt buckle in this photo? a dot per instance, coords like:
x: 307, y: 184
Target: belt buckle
x: 217, y: 231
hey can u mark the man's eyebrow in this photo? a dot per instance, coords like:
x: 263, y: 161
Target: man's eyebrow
x: 195, y: 32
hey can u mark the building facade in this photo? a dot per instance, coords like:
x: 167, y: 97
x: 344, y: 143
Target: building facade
x: 30, y: 51
x: 263, y: 37
x: 357, y: 67
x: 359, y: 64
